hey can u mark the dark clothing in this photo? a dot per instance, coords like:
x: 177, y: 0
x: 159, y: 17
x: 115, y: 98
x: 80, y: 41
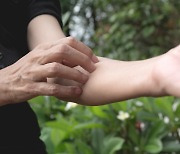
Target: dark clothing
x: 19, y: 129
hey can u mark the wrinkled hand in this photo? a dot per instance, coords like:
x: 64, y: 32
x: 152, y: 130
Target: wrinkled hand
x: 27, y: 78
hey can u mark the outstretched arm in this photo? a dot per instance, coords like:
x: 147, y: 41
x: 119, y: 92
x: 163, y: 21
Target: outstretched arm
x: 114, y: 80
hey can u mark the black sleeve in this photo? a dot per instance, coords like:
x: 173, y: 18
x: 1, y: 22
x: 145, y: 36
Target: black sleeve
x: 39, y: 7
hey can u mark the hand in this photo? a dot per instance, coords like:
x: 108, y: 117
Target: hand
x: 27, y: 78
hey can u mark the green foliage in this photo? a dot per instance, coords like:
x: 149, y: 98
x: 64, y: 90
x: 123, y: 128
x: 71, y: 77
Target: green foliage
x: 127, y: 30
x: 124, y: 30
x: 152, y: 127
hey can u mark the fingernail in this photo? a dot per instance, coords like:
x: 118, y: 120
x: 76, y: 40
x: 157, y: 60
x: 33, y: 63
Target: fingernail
x: 95, y: 59
x: 85, y: 78
x: 93, y: 67
x: 78, y: 91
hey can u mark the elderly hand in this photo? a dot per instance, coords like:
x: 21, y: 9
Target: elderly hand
x: 27, y: 78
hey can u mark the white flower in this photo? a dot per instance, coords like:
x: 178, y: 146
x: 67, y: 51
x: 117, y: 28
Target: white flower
x: 123, y: 115
x: 142, y: 125
x: 166, y: 120
x: 70, y: 105
x: 138, y: 103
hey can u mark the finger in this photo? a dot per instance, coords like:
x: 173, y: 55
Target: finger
x: 79, y: 46
x: 65, y: 62
x: 47, y: 89
x: 54, y: 69
x: 65, y: 52
x: 64, y: 82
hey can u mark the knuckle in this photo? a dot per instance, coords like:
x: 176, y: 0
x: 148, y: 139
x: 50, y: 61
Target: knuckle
x: 48, y: 45
x: 77, y: 75
x: 53, y: 90
x: 62, y: 49
x: 30, y: 87
x: 71, y: 40
x: 35, y: 55
x: 54, y: 67
x: 28, y: 76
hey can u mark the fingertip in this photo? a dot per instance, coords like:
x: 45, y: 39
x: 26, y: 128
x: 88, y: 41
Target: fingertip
x: 85, y: 78
x: 93, y: 68
x: 95, y: 59
x: 77, y: 90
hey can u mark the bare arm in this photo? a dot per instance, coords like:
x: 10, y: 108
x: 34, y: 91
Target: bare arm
x: 42, y: 29
x: 114, y: 80
x: 118, y: 80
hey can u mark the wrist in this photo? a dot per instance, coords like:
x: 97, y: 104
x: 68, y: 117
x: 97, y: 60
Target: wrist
x: 148, y: 81
x: 158, y: 87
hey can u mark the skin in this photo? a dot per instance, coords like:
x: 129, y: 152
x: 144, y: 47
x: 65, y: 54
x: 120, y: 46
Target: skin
x: 51, y: 56
x: 115, y: 80
x: 50, y: 69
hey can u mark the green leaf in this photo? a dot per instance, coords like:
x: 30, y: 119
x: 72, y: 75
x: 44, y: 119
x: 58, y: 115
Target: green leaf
x: 154, y: 146
x: 66, y: 17
x: 98, y: 111
x: 113, y: 18
x: 170, y: 146
x: 124, y: 105
x: 46, y: 138
x: 112, y: 144
x: 70, y: 148
x: 177, y: 112
x: 83, y: 148
x: 147, y: 31
x: 62, y: 125
x: 165, y: 106
x: 88, y: 125
x: 97, y: 140
x: 114, y: 28
x: 143, y: 115
x: 147, y: 103
x: 133, y: 134
x: 57, y: 136
x: 39, y: 99
x: 156, y: 130
x: 65, y: 148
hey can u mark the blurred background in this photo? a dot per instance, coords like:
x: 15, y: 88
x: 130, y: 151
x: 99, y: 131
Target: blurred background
x: 123, y: 30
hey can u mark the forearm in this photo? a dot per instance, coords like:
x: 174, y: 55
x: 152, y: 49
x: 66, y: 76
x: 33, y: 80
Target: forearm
x: 43, y: 29
x: 115, y: 81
